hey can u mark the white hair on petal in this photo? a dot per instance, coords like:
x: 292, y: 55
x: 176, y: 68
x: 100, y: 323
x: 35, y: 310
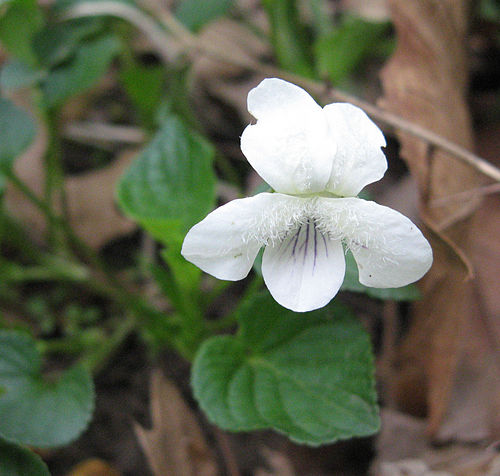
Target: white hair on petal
x: 281, y: 217
x: 338, y: 221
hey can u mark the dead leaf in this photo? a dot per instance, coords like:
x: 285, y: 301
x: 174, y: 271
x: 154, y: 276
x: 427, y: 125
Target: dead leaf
x: 411, y: 467
x: 425, y: 82
x: 93, y: 467
x: 93, y: 212
x: 228, y: 83
x: 175, y: 445
x: 403, y: 449
x: 278, y: 463
x: 374, y: 10
x: 90, y: 197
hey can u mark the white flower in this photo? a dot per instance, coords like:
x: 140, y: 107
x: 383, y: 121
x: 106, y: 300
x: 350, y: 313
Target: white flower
x: 318, y: 160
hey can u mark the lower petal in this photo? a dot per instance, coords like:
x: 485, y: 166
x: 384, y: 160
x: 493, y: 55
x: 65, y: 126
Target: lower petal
x: 305, y: 270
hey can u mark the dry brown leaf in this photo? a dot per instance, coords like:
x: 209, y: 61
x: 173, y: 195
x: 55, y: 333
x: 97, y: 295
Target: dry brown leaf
x: 213, y: 78
x: 93, y: 467
x: 278, y: 464
x: 425, y: 82
x: 403, y: 449
x: 410, y: 467
x: 175, y: 445
x: 91, y: 202
x: 90, y: 197
x: 374, y: 10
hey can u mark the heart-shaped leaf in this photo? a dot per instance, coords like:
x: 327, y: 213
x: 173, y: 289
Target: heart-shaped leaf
x: 310, y: 376
x: 171, y: 185
x: 34, y: 410
x: 19, y: 461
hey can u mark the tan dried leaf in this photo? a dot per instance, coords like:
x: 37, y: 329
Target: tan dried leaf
x: 374, y: 10
x: 403, y: 449
x: 175, y: 445
x: 425, y: 82
x: 93, y: 467
x: 278, y: 464
x: 223, y: 80
x: 90, y: 197
x: 93, y: 212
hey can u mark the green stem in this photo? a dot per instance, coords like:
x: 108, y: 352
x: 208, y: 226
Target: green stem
x: 229, y: 320
x: 32, y: 197
x: 102, y: 281
x: 66, y: 345
x: 96, y: 360
x: 55, y: 195
x: 13, y: 273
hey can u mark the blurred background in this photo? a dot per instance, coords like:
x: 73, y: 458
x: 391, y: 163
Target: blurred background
x: 96, y: 77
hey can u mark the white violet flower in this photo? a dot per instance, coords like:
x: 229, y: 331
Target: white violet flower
x: 317, y: 160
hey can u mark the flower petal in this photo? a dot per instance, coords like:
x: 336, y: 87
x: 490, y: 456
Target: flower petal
x: 389, y: 249
x: 290, y: 146
x: 304, y: 271
x: 227, y: 241
x: 359, y: 159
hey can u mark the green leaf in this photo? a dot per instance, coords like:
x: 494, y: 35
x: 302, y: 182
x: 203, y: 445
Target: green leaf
x: 338, y: 53
x: 17, y: 131
x: 61, y: 5
x: 59, y: 42
x: 17, y: 28
x: 489, y: 10
x: 321, y: 21
x: 288, y: 36
x: 89, y: 63
x: 19, y: 461
x: 16, y: 74
x: 171, y: 185
x: 195, y: 14
x: 309, y: 376
x: 37, y: 411
x: 144, y: 86
x: 351, y: 283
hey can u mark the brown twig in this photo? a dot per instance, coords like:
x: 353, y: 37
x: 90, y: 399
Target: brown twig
x: 318, y: 88
x: 91, y: 132
x: 466, y: 195
x: 192, y: 45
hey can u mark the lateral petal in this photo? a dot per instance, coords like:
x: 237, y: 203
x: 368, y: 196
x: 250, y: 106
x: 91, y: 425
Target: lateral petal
x: 290, y: 146
x: 388, y: 247
x: 226, y: 242
x: 359, y: 159
x: 305, y: 270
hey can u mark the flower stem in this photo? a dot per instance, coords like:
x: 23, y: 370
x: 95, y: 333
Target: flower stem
x: 100, y: 279
x: 54, y: 185
x: 96, y: 360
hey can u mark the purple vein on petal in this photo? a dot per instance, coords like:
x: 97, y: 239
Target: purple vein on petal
x: 326, y: 247
x: 306, y: 244
x: 315, y: 248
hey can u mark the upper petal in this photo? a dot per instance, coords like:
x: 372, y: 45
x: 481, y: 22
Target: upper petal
x: 290, y: 146
x: 388, y: 247
x: 359, y: 159
x: 227, y: 241
x: 305, y: 270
